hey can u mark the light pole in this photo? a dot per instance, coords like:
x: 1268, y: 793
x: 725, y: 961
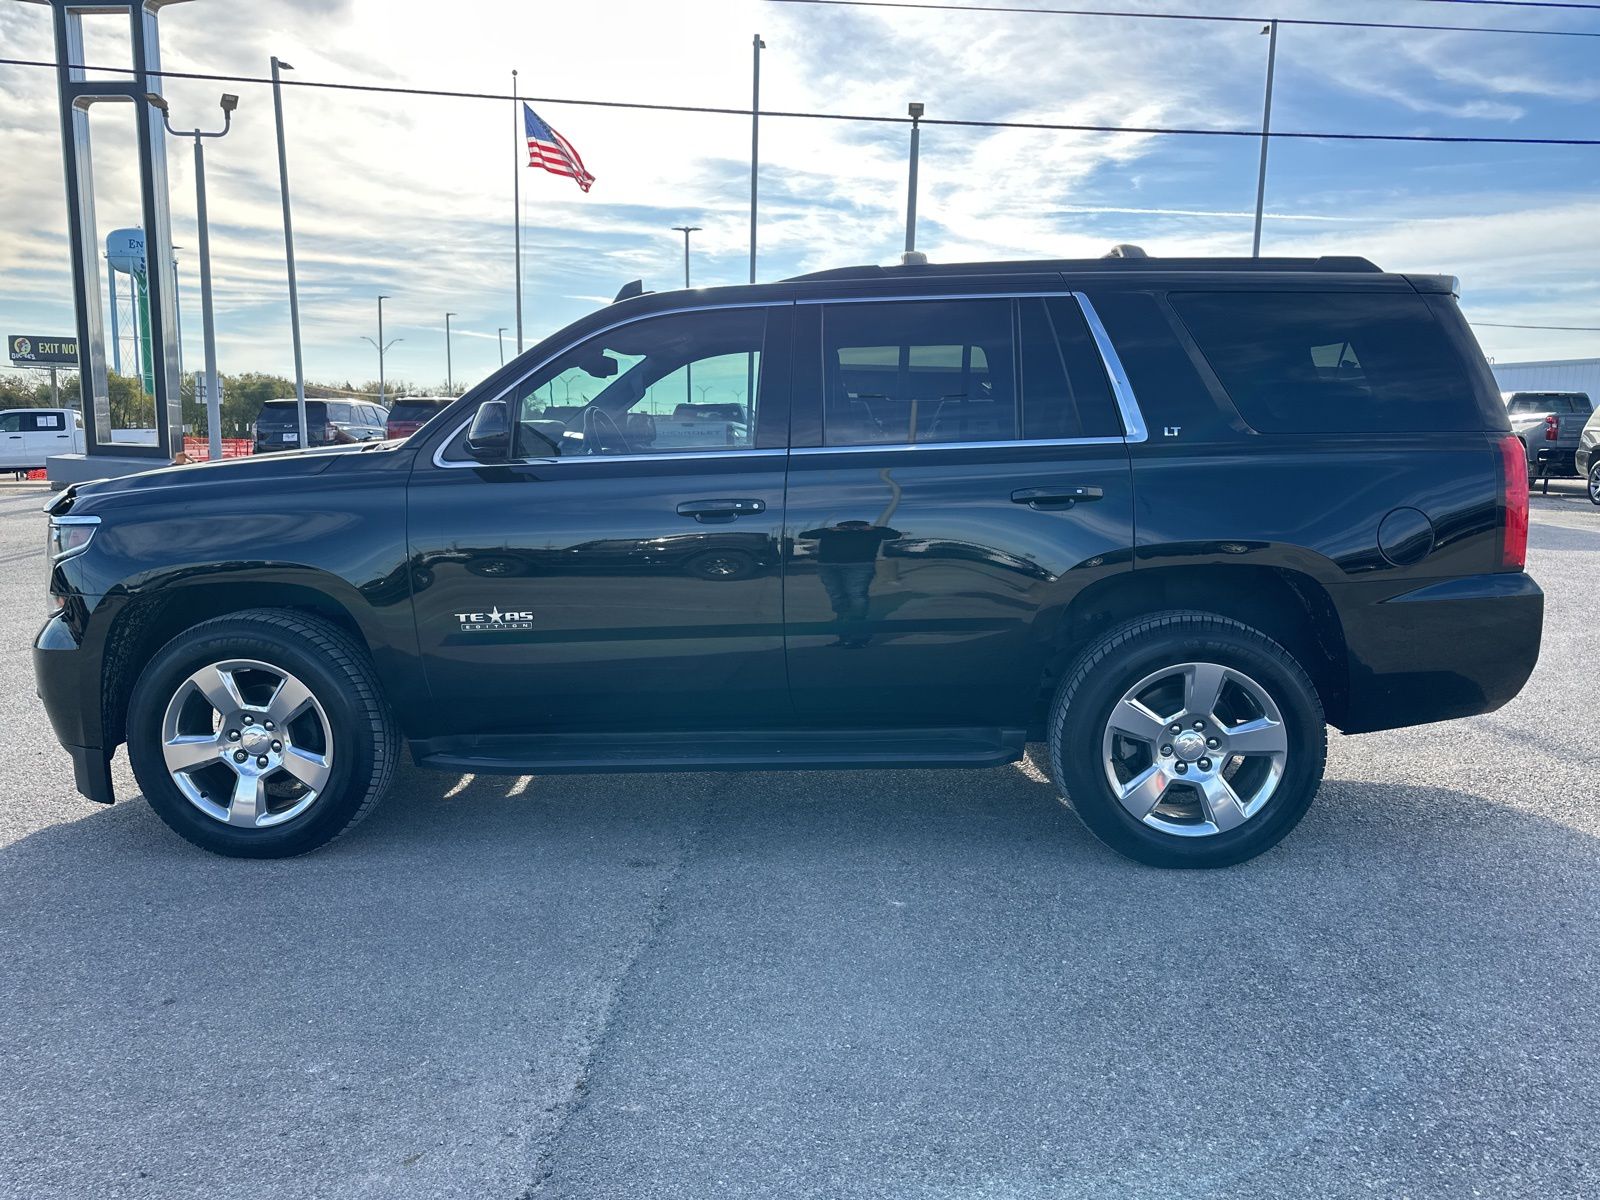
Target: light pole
x: 449, y: 371
x: 755, y: 143
x: 1271, y: 30
x: 915, y: 111
x: 501, y: 334
x: 688, y: 368
x: 288, y: 250
x: 208, y: 325
x: 382, y: 348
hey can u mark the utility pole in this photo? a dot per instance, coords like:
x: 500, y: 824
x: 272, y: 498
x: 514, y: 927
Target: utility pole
x: 288, y: 251
x: 915, y: 110
x: 208, y: 325
x: 1271, y: 30
x: 501, y: 334
x: 449, y: 371
x: 688, y: 368
x: 382, y: 348
x: 519, y: 137
x: 755, y: 144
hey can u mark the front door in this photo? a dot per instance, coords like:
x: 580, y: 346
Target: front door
x: 967, y: 476
x: 13, y: 442
x: 622, y: 568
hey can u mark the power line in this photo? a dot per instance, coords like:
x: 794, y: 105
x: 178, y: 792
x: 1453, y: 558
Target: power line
x: 1048, y: 126
x: 1185, y: 16
x: 1566, y: 328
x: 1522, y: 4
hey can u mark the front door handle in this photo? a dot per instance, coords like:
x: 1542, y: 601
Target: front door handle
x: 1058, y: 497
x: 706, y: 511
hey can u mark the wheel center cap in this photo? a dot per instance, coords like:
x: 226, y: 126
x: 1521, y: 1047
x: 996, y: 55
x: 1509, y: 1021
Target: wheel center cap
x: 1189, y: 745
x: 255, y: 740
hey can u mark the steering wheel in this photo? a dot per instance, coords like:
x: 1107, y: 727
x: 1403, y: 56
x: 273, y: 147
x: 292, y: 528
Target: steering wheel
x: 592, y: 416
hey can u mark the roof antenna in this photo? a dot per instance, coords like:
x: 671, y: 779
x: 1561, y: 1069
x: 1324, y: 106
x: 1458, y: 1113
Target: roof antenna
x: 913, y: 258
x: 1125, y: 250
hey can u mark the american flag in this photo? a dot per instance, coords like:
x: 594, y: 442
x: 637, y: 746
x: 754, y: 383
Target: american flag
x: 548, y: 149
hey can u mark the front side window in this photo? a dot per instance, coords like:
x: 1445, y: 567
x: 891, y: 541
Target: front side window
x: 670, y: 384
x: 10, y: 422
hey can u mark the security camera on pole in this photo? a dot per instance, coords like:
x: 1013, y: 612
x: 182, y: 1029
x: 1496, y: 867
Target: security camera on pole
x: 208, y: 327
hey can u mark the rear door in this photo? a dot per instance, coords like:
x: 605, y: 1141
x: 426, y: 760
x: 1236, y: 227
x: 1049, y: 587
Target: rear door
x: 45, y: 433
x: 959, y: 474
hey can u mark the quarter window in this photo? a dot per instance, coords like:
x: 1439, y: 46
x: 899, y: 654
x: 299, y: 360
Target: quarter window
x: 1305, y: 362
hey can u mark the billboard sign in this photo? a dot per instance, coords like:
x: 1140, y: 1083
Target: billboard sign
x: 33, y: 351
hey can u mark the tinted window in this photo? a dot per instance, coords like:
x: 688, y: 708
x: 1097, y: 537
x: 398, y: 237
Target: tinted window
x: 686, y: 382
x: 10, y: 422
x: 907, y: 372
x: 43, y: 421
x: 1548, y: 402
x: 1324, y: 363
x: 283, y: 414
x: 416, y: 410
x: 1065, y: 393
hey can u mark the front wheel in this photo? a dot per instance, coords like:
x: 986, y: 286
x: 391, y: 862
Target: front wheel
x: 1186, y: 739
x: 263, y: 734
x: 1594, y: 479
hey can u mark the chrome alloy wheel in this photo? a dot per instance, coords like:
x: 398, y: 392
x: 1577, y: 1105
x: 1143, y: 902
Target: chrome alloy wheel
x: 1594, y: 480
x: 1195, y: 749
x: 247, y: 743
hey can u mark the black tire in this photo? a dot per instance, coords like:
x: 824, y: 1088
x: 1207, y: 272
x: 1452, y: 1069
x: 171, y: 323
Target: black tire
x: 339, y: 674
x: 1592, y: 483
x: 1126, y: 655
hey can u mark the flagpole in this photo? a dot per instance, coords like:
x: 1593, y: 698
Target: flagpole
x: 516, y: 193
x: 755, y: 145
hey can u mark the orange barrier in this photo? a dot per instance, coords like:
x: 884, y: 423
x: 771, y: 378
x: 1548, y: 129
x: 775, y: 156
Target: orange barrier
x: 199, y: 450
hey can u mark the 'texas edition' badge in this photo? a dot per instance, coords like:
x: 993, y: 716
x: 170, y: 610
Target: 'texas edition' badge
x: 478, y: 622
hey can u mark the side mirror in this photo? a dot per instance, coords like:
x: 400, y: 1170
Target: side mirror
x: 489, y: 439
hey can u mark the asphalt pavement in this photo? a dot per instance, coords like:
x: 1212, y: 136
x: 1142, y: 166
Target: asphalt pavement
x: 892, y: 984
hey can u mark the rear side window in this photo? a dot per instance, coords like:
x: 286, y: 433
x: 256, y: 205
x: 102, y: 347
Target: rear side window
x: 1303, y: 362
x: 918, y: 372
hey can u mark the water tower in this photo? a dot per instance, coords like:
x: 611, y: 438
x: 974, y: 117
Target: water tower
x: 130, y: 311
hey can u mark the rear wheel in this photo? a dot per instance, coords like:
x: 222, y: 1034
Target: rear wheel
x: 1594, y: 479
x: 261, y: 735
x: 1186, y: 739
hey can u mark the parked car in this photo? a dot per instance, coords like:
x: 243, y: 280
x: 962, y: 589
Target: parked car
x: 30, y: 435
x: 410, y: 413
x: 1548, y: 424
x: 328, y: 423
x: 1586, y: 458
x: 1166, y: 516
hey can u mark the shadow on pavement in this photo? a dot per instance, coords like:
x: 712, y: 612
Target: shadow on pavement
x: 916, y: 983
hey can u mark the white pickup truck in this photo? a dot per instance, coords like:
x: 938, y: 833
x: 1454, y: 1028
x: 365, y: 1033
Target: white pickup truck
x: 30, y: 435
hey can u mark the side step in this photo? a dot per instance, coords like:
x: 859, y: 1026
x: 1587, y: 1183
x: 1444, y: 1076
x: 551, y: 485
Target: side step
x: 728, y: 750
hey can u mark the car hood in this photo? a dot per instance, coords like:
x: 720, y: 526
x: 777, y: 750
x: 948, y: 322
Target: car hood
x: 264, y: 470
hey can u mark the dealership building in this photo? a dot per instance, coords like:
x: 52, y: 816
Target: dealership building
x: 1553, y: 375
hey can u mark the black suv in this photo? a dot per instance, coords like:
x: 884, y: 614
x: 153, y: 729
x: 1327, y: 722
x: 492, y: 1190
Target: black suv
x: 1172, y: 517
x: 328, y: 423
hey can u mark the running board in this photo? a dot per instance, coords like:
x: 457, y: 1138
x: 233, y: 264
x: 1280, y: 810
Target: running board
x: 731, y: 750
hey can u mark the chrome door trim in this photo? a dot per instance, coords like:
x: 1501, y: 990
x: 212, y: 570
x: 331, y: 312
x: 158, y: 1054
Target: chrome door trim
x: 1011, y: 445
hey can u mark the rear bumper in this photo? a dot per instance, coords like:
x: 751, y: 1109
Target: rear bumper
x: 1451, y: 649
x: 67, y: 679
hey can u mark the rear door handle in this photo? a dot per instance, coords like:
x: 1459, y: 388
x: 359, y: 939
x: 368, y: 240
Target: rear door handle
x: 1061, y: 496
x: 720, y: 510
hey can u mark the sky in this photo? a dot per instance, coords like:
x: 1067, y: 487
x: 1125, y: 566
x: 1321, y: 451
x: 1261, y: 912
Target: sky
x: 412, y: 196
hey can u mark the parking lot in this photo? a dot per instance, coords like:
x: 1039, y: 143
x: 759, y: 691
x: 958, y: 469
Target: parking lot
x: 886, y: 984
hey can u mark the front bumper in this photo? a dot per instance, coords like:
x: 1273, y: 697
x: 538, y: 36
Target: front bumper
x: 1451, y: 649
x: 67, y: 679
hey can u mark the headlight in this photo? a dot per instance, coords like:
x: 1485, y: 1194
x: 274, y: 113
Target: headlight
x: 70, y: 535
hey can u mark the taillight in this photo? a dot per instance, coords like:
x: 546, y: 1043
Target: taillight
x: 1513, y: 504
x: 1552, y: 428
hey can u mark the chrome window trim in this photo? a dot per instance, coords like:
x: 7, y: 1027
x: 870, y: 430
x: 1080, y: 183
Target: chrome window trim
x: 1011, y: 445
x: 1121, y: 390
x: 438, y: 454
